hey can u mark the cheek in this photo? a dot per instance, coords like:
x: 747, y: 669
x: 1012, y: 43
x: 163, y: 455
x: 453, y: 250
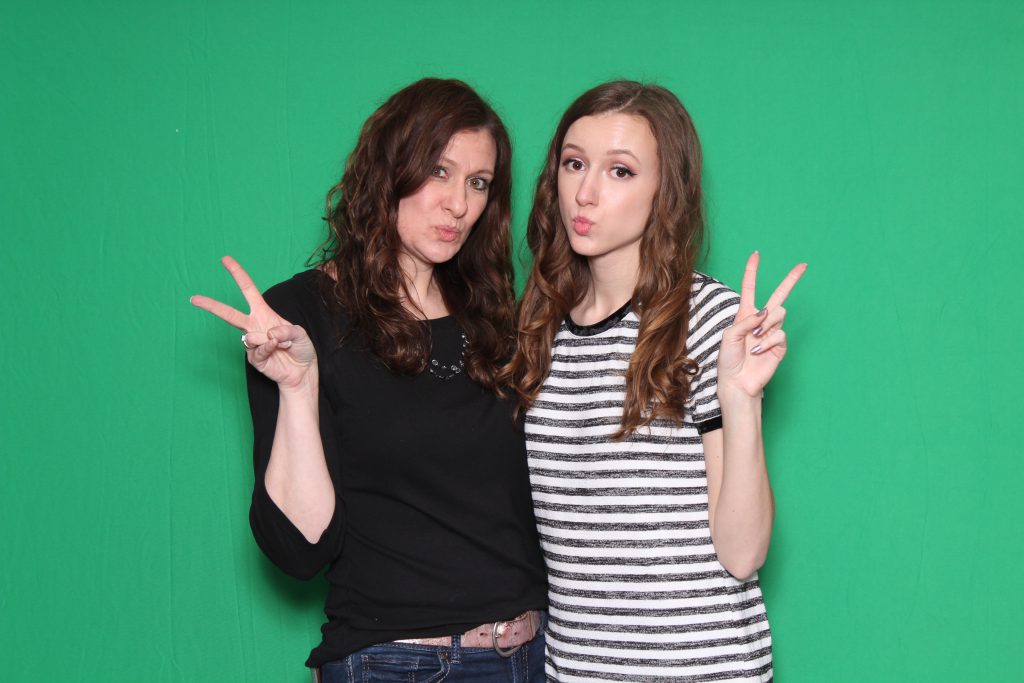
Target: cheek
x: 403, y: 213
x: 409, y: 212
x: 640, y: 214
x: 477, y: 208
x: 415, y: 208
x: 566, y: 195
x: 639, y: 207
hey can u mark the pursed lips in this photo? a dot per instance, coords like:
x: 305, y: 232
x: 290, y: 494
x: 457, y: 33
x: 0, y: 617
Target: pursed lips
x: 581, y: 225
x: 448, y: 233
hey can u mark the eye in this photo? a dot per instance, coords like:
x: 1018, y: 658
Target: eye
x: 573, y: 164
x: 439, y: 172
x: 479, y: 184
x: 621, y: 172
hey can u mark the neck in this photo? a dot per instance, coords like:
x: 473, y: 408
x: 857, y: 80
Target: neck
x: 422, y: 297
x: 612, y: 282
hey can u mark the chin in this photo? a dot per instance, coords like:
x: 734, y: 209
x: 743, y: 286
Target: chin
x: 445, y: 255
x: 582, y: 245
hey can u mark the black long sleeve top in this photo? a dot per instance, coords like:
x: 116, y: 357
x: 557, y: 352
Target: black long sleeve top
x: 433, y: 531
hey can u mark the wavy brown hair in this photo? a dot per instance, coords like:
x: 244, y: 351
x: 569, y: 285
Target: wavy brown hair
x: 659, y: 373
x: 398, y: 149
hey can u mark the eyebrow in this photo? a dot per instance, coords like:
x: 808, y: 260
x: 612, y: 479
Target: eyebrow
x: 611, y: 152
x: 451, y: 162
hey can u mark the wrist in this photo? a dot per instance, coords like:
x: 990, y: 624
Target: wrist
x: 738, y: 401
x: 307, y: 388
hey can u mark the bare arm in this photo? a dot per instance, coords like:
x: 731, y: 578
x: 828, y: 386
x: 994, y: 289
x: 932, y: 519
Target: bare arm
x: 297, y: 479
x: 741, y: 507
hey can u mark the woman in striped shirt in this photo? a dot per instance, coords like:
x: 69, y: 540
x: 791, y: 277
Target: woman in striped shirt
x: 642, y: 380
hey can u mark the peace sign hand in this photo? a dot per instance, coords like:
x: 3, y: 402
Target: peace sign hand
x: 755, y: 344
x: 281, y: 351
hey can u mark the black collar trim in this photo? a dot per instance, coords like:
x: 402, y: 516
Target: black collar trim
x: 599, y: 327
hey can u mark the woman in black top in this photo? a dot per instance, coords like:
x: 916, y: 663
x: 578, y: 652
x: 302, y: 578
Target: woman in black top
x: 381, y: 446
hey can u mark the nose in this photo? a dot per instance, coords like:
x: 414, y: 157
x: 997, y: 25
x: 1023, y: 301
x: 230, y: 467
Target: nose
x: 455, y: 200
x: 586, y: 193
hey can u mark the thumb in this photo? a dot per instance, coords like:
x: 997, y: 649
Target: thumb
x: 287, y: 333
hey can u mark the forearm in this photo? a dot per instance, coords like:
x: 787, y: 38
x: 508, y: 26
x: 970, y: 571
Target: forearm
x: 297, y: 478
x: 745, y: 509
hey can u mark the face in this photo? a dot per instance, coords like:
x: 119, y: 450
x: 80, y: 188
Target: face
x: 435, y: 220
x: 606, y: 185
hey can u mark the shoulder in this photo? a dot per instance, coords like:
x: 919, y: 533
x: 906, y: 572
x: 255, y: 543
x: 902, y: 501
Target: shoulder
x: 713, y: 307
x: 709, y: 296
x: 299, y: 297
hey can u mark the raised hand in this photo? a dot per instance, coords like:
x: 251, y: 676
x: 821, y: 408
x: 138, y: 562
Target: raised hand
x: 281, y: 351
x: 755, y: 344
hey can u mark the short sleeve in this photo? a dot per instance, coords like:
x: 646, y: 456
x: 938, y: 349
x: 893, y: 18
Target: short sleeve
x: 275, y: 534
x: 713, y: 309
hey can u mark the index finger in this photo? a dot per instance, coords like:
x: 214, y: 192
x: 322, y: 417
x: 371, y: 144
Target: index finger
x: 226, y: 313
x: 786, y: 286
x: 245, y: 284
x: 747, y: 297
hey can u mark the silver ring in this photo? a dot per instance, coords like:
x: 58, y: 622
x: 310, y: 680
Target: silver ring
x: 246, y: 344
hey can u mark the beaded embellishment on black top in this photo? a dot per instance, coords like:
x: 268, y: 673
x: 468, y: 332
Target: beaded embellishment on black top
x: 447, y: 371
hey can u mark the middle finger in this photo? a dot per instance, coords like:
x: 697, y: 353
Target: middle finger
x: 230, y: 315
x: 786, y: 286
x: 245, y: 284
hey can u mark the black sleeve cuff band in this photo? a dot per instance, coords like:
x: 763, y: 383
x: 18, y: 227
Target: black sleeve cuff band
x: 709, y: 425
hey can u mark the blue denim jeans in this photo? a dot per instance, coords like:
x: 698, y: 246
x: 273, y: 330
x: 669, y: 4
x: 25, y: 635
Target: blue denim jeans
x: 408, y: 663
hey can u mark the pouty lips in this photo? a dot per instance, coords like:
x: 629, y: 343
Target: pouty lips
x: 447, y: 233
x: 581, y: 226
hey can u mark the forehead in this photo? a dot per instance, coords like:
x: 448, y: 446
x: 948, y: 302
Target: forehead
x: 600, y: 133
x: 474, y: 148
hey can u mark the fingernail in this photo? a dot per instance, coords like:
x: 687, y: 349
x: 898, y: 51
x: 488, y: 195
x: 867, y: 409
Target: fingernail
x: 763, y: 312
x: 756, y: 350
x: 758, y: 330
x: 285, y: 344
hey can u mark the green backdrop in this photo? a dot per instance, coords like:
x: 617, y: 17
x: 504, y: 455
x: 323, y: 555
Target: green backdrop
x: 879, y: 141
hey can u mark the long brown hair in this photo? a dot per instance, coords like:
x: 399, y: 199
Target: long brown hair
x: 659, y: 373
x: 398, y: 149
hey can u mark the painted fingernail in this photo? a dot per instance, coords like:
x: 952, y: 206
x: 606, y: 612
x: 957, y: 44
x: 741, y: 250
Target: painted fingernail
x: 756, y: 350
x: 758, y: 330
x: 763, y: 312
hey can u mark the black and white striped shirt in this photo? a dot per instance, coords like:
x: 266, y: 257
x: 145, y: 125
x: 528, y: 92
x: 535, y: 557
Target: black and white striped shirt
x: 636, y: 590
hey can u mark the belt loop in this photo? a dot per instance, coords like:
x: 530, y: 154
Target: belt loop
x: 456, y: 649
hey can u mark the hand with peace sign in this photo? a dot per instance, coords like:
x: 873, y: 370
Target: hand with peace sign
x: 281, y: 351
x: 755, y: 344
